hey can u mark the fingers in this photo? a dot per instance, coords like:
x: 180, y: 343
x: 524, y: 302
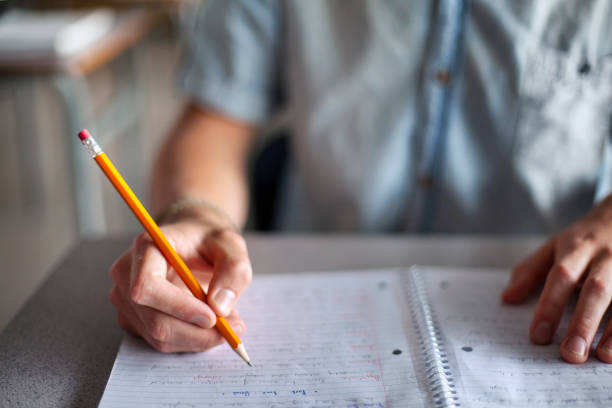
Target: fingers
x: 604, y: 347
x: 165, y: 333
x: 151, y: 304
x: 126, y: 324
x: 150, y: 287
x: 147, y: 262
x: 570, y: 265
x: 529, y: 274
x: 126, y: 317
x: 168, y: 334
x: 592, y: 304
x: 226, y: 250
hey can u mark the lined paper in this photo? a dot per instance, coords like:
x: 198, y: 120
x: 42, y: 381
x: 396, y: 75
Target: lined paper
x: 324, y: 340
x: 495, y: 362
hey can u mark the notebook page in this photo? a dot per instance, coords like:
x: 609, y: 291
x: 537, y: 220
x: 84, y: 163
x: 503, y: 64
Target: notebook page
x: 497, y: 364
x: 324, y: 340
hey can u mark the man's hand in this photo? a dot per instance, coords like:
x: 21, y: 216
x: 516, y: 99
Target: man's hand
x: 152, y: 301
x: 579, y: 256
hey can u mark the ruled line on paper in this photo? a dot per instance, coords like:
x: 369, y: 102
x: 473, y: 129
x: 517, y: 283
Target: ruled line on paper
x: 315, y: 339
x: 496, y: 361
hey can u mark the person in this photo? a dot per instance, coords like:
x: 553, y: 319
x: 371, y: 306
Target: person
x: 425, y: 117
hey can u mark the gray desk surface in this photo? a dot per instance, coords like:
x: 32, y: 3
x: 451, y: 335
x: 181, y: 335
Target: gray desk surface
x: 59, y: 350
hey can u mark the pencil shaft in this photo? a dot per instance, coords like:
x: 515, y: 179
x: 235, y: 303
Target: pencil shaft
x: 158, y: 237
x: 162, y: 243
x: 149, y: 225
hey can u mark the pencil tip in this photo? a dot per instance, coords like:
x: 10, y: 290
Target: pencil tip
x: 250, y: 365
x: 241, y: 351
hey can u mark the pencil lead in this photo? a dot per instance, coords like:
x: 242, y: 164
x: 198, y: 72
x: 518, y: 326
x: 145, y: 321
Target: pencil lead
x: 250, y: 365
x: 241, y: 351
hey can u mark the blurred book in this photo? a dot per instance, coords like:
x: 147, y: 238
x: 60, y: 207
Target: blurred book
x: 51, y: 35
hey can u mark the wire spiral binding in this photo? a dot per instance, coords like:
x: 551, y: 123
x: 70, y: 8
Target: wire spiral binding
x: 435, y: 358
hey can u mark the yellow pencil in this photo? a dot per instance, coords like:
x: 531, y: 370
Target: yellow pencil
x: 158, y: 237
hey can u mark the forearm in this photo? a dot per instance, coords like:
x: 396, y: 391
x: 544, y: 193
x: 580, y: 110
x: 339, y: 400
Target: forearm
x: 205, y: 157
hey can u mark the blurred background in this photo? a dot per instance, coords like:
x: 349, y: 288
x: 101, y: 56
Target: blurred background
x: 65, y: 65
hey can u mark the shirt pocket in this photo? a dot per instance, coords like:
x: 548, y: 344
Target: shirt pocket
x: 563, y: 123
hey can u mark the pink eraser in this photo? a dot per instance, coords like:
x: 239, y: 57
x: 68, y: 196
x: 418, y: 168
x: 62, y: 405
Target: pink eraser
x: 84, y: 134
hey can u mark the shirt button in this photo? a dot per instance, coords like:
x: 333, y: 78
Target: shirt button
x: 443, y: 77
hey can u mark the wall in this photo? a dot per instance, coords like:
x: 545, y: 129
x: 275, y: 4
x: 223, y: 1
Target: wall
x: 37, y: 218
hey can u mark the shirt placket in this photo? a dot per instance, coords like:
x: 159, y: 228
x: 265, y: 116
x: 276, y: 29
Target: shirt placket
x: 440, y: 74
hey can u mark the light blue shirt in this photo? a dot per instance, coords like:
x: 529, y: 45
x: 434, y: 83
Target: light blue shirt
x: 451, y: 116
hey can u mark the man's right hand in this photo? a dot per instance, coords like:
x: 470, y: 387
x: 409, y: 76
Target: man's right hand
x: 153, y: 302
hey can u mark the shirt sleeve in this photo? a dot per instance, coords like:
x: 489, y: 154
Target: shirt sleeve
x: 231, y: 60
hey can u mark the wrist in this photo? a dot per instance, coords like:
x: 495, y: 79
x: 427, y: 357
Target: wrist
x: 195, y: 209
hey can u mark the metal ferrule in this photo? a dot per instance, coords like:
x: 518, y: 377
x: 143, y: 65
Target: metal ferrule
x: 92, y: 147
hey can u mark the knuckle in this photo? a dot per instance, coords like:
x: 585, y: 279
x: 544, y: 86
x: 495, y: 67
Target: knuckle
x: 160, y: 346
x: 248, y: 277
x: 561, y: 272
x: 140, y: 241
x: 114, y: 271
x: 570, y: 238
x: 574, y: 244
x: 241, y: 269
x: 597, y: 286
x: 576, y: 240
x: 589, y: 236
x: 139, y: 291
x: 240, y: 326
x: 159, y: 330
x: 232, y: 237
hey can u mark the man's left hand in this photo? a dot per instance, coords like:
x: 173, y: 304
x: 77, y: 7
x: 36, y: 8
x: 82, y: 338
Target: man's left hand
x: 578, y: 257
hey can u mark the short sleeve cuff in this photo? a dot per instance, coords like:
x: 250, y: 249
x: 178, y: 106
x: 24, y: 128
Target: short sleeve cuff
x: 230, y: 98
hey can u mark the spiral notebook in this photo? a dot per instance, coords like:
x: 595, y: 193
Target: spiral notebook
x: 416, y: 337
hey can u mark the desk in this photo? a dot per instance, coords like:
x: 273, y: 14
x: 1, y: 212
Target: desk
x: 60, y: 348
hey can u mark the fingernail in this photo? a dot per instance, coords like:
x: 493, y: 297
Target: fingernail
x: 201, y: 320
x: 239, y: 327
x: 607, y: 346
x: 576, y: 345
x: 542, y: 332
x: 223, y: 301
x: 510, y: 285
